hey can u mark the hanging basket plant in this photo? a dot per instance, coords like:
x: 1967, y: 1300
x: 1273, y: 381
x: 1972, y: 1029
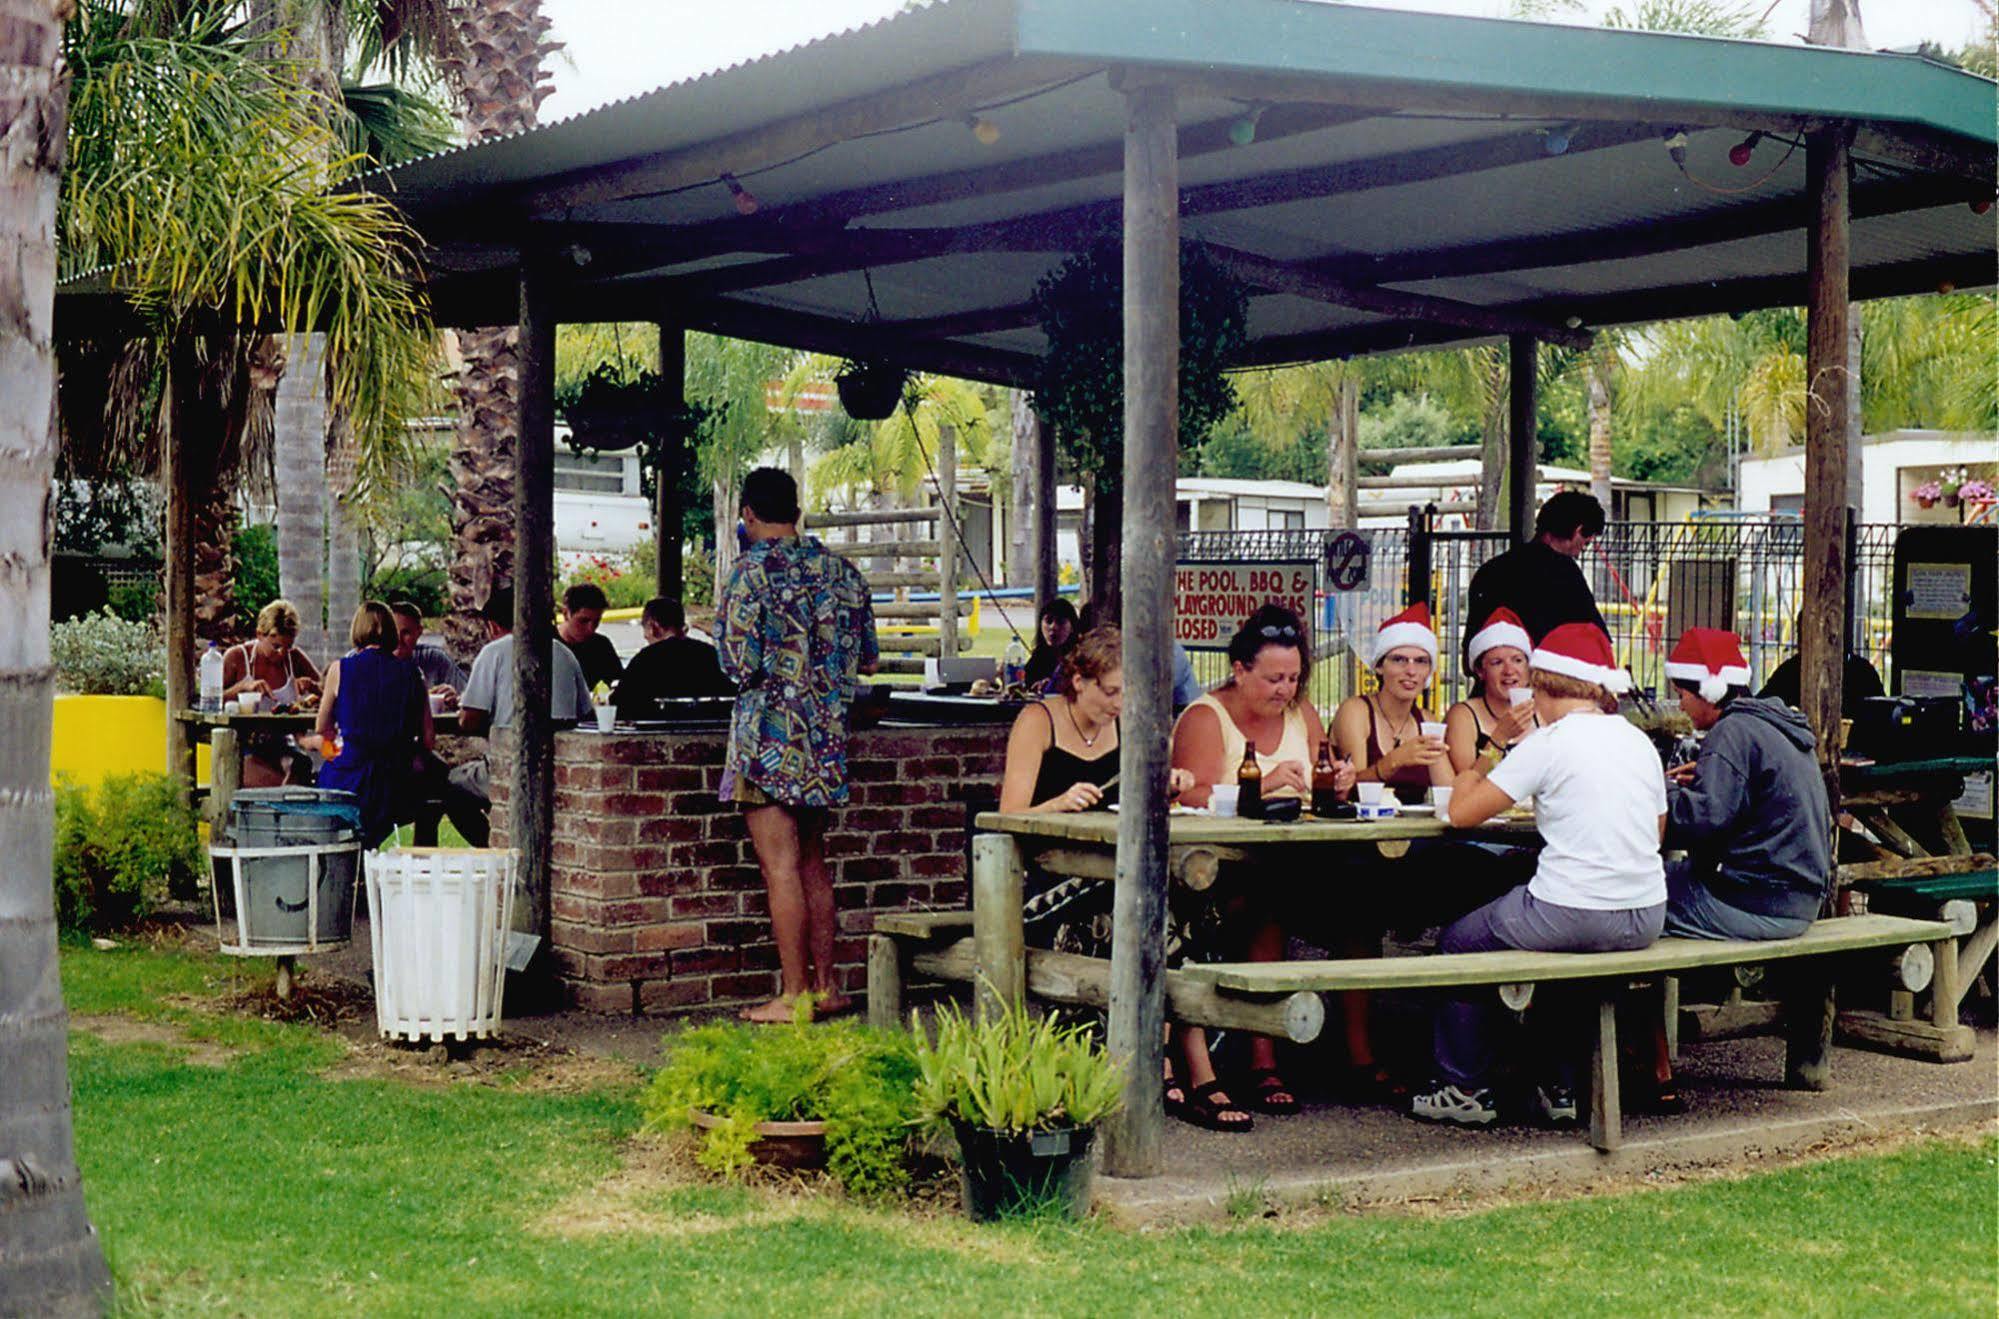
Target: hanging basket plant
x: 870, y: 391
x: 610, y: 412
x: 1080, y: 391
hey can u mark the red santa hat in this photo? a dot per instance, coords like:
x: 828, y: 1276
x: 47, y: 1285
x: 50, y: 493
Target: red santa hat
x: 1502, y: 628
x: 1582, y: 650
x: 1711, y: 659
x: 1411, y: 627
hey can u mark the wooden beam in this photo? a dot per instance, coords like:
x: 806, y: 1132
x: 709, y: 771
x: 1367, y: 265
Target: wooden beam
x: 667, y: 512
x: 840, y: 338
x: 948, y: 95
x: 978, y: 320
x: 179, y: 480
x: 1437, y: 453
x: 1522, y: 434
x: 1305, y: 282
x: 1134, y: 1144
x: 1822, y: 631
x: 532, y: 797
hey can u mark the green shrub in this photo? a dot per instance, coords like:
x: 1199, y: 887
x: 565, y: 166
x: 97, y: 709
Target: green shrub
x: 135, y: 602
x: 623, y: 587
x: 102, y: 654
x: 860, y: 1082
x: 423, y: 585
x: 1015, y: 1072
x: 121, y: 850
x: 256, y: 551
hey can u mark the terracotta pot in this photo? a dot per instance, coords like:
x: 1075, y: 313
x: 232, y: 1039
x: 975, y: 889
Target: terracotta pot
x: 779, y: 1144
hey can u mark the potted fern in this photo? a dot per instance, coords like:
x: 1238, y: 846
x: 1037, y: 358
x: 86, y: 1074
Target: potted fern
x: 1023, y: 1095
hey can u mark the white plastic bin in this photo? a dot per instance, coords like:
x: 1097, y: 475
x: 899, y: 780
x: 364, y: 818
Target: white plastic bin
x: 438, y: 920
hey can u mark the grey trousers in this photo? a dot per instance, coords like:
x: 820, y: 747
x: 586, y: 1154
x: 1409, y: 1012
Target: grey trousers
x: 1467, y: 1029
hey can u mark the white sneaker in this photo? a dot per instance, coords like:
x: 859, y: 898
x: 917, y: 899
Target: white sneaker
x: 1555, y: 1105
x: 1461, y: 1108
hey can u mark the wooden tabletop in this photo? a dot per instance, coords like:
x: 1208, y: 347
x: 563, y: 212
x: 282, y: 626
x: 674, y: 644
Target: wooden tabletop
x: 1902, y: 771
x: 302, y: 721
x: 1099, y: 829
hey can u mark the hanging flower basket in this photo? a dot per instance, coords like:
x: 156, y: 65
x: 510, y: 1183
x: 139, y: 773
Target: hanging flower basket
x: 870, y: 391
x: 610, y: 425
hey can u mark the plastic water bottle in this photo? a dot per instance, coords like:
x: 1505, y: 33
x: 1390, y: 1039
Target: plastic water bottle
x: 1013, y: 665
x: 211, y: 678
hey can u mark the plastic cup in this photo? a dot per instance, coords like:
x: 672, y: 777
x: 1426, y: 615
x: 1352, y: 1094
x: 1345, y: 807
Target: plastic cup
x: 1432, y: 730
x: 437, y: 703
x: 1370, y: 793
x: 1520, y: 695
x: 247, y: 702
x: 1223, y: 797
x: 1441, y: 799
x: 607, y: 718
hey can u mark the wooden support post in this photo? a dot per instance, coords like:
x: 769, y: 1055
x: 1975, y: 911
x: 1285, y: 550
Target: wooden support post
x: 177, y: 480
x: 1133, y: 1144
x: 1669, y: 996
x: 667, y: 512
x: 1343, y: 455
x: 885, y: 980
x: 1822, y: 635
x: 533, y: 792
x: 947, y: 534
x: 1047, y: 557
x: 997, y: 932
x: 1946, y: 986
x: 1606, y: 1105
x: 1809, y: 1014
x: 1522, y: 435
x: 225, y: 776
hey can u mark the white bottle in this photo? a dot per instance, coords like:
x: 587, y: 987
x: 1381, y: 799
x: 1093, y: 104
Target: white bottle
x: 1013, y: 665
x: 211, y: 678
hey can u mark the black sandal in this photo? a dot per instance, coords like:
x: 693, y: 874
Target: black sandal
x: 1203, y: 1109
x: 1268, y: 1093
x: 1176, y: 1094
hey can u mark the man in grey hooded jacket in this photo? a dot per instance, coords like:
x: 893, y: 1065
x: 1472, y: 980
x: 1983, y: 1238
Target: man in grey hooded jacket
x: 1751, y: 811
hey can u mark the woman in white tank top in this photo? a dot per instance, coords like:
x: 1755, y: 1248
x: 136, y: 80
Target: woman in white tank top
x: 1263, y: 701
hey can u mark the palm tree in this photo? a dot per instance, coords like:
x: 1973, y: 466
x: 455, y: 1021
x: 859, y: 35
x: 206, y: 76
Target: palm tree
x: 52, y: 1262
x: 1288, y: 398
x: 495, y: 72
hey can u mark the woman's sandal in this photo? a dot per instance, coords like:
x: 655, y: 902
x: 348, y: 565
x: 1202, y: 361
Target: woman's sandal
x: 1176, y: 1094
x: 1204, y: 1109
x: 1268, y: 1093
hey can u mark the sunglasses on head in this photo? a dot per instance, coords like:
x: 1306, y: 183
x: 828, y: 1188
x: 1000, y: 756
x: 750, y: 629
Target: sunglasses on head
x: 1278, y: 630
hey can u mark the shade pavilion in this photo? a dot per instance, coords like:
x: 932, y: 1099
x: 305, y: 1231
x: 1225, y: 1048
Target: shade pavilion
x: 1380, y: 180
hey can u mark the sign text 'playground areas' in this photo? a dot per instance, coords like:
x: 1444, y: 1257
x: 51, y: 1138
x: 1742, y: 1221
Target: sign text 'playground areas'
x: 1210, y: 600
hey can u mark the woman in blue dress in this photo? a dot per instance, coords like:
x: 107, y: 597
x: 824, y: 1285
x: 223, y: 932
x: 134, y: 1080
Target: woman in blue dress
x: 377, y: 705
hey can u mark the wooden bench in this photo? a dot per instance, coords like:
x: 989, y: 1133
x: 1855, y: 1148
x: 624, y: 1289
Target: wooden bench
x: 1808, y: 1009
x: 1963, y: 892
x: 939, y: 945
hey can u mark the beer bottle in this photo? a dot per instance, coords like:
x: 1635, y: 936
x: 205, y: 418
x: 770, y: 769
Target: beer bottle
x: 1325, y: 797
x: 1249, y: 784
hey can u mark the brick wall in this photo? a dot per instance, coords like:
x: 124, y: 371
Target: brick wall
x: 654, y: 880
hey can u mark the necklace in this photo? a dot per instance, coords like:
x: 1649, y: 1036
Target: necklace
x: 1407, y: 724
x: 1075, y: 723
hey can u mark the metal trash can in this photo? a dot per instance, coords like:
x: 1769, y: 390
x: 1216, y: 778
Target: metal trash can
x: 296, y: 859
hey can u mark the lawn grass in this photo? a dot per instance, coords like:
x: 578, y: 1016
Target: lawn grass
x: 270, y: 1186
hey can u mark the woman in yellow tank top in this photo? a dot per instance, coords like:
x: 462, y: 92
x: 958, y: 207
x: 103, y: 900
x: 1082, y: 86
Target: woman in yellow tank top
x: 1270, y: 658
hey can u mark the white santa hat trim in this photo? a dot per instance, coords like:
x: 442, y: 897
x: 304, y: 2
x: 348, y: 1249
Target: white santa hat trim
x: 1501, y: 629
x: 1613, y: 680
x: 1712, y: 686
x: 1411, y: 627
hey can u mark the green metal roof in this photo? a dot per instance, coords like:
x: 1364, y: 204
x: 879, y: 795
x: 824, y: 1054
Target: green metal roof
x: 1403, y: 187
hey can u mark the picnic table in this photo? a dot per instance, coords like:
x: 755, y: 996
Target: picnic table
x: 1919, y: 862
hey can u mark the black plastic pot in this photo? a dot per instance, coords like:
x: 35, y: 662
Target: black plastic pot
x: 1005, y: 1172
x: 870, y: 391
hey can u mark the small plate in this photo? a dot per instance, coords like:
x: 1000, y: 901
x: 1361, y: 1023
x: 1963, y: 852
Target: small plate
x: 1417, y: 808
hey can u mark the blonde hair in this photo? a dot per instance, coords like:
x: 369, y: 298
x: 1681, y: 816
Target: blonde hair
x: 278, y: 619
x: 1096, y: 653
x: 1562, y: 687
x: 374, y: 625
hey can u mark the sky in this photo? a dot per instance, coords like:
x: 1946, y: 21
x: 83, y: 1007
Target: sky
x: 614, y: 48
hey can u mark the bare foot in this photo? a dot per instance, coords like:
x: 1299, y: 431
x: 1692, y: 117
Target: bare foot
x: 779, y: 1011
x: 831, y: 1003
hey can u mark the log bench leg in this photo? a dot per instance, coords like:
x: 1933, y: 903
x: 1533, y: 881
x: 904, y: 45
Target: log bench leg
x: 1809, y: 1012
x: 885, y: 980
x: 1606, y: 1112
x: 998, y: 934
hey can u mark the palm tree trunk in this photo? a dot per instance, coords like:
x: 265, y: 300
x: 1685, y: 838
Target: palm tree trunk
x: 1343, y: 455
x: 1107, y: 551
x: 497, y: 75
x: 1599, y: 429
x: 725, y: 507
x: 1493, y: 448
x: 50, y: 1259
x: 300, y: 444
x: 343, y: 544
x: 1027, y: 441
x: 214, y: 544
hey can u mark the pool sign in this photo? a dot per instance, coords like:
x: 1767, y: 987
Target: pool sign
x: 1210, y: 600
x: 1347, y: 556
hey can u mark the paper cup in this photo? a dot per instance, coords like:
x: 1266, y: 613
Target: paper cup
x: 607, y: 718
x: 1441, y: 799
x: 1520, y: 695
x: 1432, y: 730
x: 248, y: 702
x: 1222, y: 798
x: 437, y: 703
x: 1370, y: 793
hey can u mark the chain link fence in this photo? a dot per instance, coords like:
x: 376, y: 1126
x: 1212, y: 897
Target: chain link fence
x: 1652, y: 581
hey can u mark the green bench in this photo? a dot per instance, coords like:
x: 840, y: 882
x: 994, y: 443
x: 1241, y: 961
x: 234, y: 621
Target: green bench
x: 1962, y: 891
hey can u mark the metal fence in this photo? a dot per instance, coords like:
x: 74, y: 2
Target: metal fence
x: 1652, y: 580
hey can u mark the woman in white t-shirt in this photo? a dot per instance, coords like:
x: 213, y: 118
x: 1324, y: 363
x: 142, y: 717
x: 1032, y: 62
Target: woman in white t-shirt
x: 1599, y: 886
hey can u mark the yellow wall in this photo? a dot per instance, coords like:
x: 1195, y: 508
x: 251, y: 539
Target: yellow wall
x: 97, y: 736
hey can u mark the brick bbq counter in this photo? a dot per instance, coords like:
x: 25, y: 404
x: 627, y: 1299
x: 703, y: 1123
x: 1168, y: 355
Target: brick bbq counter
x: 654, y: 883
